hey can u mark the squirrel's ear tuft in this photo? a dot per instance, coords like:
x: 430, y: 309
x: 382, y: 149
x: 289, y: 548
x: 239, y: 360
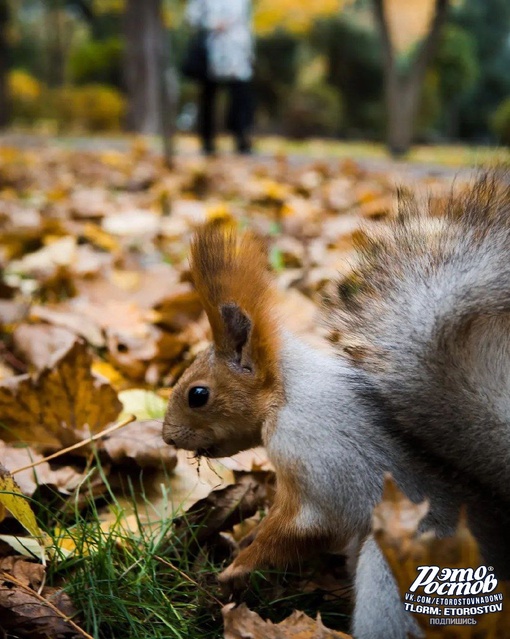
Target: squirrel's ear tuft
x: 231, y: 275
x: 236, y: 335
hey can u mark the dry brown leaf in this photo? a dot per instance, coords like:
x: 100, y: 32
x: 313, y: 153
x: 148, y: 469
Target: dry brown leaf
x: 27, y: 572
x: 248, y: 460
x: 45, y: 262
x: 38, y: 344
x: 22, y: 612
x: 178, y: 309
x: 242, y: 623
x: 61, y: 406
x: 224, y: 508
x: 12, y: 311
x: 64, y: 479
x: 75, y: 322
x: 140, y: 442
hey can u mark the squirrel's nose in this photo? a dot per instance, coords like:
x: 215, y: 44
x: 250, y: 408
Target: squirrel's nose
x: 169, y: 441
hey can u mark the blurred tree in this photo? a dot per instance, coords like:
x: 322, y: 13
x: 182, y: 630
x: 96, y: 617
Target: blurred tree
x: 57, y: 42
x: 149, y: 78
x: 500, y: 122
x: 457, y: 69
x: 275, y: 69
x: 4, y: 53
x: 354, y: 69
x: 404, y: 75
x: 488, y: 22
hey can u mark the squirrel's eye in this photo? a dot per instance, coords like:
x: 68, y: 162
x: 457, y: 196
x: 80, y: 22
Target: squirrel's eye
x: 198, y: 396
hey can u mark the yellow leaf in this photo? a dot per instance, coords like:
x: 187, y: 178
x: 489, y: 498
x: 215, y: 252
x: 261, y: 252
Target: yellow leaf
x: 99, y: 237
x: 110, y: 373
x: 220, y: 212
x: 142, y: 403
x: 61, y: 406
x: 16, y: 503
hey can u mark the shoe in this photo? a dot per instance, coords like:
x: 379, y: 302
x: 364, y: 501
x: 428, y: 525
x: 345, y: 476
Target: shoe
x: 209, y: 149
x: 243, y: 146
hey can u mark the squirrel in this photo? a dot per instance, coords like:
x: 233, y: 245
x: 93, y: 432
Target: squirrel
x: 416, y: 384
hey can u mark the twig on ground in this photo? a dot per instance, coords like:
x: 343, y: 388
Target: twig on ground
x: 20, y: 584
x: 93, y: 438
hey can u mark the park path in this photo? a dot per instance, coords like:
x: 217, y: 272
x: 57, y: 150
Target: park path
x: 401, y: 171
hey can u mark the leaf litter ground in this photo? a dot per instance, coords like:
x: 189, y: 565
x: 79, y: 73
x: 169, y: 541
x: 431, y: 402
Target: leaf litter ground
x: 98, y: 320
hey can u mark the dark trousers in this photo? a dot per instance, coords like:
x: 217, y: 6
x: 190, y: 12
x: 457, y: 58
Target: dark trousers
x: 240, y: 113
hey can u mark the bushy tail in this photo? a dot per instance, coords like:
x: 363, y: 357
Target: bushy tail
x: 426, y: 319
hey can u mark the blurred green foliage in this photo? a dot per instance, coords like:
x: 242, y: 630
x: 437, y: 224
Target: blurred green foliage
x: 354, y: 69
x: 313, y: 110
x: 97, y: 61
x: 488, y: 23
x: 276, y: 71
x: 500, y: 122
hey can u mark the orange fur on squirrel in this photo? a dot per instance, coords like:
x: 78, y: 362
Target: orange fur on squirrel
x: 228, y: 268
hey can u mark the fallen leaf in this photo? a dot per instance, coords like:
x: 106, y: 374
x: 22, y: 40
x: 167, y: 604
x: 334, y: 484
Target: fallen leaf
x: 24, y: 613
x: 38, y: 344
x: 27, y: 546
x: 46, y: 261
x: 26, y: 572
x: 242, y: 623
x: 12, y: 311
x: 136, y: 223
x: 17, y: 504
x: 224, y: 508
x: 178, y: 309
x: 64, y: 478
x: 396, y: 523
x: 143, y: 404
x: 61, y: 406
x: 140, y: 442
x: 75, y: 322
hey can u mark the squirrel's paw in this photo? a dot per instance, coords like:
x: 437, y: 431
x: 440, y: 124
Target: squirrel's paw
x: 248, y: 539
x: 234, y: 579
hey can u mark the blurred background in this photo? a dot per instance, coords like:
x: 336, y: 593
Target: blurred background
x: 397, y: 72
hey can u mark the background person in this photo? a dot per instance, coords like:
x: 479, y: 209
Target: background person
x: 230, y: 55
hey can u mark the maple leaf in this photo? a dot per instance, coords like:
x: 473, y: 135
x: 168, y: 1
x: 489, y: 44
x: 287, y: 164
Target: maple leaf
x: 61, y: 406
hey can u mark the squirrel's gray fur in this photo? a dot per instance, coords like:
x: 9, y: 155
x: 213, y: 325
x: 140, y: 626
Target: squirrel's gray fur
x: 424, y: 394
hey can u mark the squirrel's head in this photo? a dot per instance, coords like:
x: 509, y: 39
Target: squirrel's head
x: 224, y: 398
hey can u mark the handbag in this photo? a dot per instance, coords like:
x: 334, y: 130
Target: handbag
x: 196, y: 61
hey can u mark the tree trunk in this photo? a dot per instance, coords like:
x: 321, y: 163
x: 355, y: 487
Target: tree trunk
x: 144, y: 72
x: 168, y: 99
x: 403, y: 88
x: 4, y: 53
x: 402, y: 104
x: 55, y: 50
